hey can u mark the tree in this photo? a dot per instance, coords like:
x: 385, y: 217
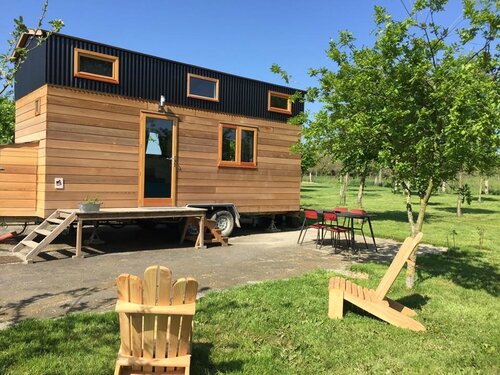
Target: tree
x: 11, y: 61
x: 308, y: 155
x: 7, y: 118
x: 420, y: 102
x: 13, y: 58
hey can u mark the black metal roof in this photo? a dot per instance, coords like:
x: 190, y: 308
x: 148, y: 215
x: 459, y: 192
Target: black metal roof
x: 147, y: 77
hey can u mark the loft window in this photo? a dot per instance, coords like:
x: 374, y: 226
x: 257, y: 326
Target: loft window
x: 279, y: 102
x: 237, y: 146
x: 96, y: 66
x: 202, y: 87
x: 38, y: 106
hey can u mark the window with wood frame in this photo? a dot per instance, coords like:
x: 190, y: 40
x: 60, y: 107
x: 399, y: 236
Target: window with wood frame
x: 38, y: 106
x: 202, y: 87
x: 279, y: 102
x: 96, y: 66
x: 237, y: 146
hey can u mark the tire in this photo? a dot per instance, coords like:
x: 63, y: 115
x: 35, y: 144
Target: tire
x: 224, y: 221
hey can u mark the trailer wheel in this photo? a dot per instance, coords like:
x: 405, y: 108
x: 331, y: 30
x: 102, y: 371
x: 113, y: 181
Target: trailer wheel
x: 225, y: 222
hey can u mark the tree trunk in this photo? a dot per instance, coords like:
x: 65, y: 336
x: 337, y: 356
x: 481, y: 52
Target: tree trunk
x: 344, y: 180
x: 406, y: 185
x: 480, y: 188
x: 416, y: 228
x: 380, y: 177
x: 443, y: 187
x: 486, y: 187
x: 460, y: 197
x: 361, y: 190
x: 310, y: 177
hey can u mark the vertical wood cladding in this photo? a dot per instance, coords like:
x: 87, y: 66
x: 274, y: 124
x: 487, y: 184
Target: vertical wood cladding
x: 93, y: 143
x: 147, y: 77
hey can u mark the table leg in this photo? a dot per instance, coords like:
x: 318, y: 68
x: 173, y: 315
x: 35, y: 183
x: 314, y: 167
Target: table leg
x: 371, y: 231
x: 353, y: 240
x: 79, y: 230
x: 187, y: 220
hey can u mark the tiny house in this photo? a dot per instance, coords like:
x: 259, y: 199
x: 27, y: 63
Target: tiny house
x: 136, y: 130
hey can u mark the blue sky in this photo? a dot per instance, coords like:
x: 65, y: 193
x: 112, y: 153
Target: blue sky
x: 238, y: 37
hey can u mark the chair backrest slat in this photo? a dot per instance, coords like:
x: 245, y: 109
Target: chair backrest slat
x: 397, y: 264
x: 122, y: 284
x: 135, y: 287
x: 164, y: 291
x: 186, y: 329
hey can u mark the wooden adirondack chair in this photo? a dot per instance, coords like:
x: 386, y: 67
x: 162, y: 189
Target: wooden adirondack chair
x: 375, y: 301
x: 155, y: 322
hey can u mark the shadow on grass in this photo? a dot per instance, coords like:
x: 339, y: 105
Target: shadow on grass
x: 466, y: 210
x: 392, y: 216
x: 402, y: 217
x: 14, y: 312
x: 202, y: 364
x: 488, y: 199
x: 469, y: 269
x: 303, y: 189
x: 414, y: 301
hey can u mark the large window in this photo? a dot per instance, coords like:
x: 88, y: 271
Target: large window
x: 279, y: 102
x: 202, y: 87
x: 237, y: 146
x: 96, y: 66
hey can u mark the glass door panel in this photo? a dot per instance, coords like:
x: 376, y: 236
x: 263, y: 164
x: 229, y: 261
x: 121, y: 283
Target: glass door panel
x: 159, y: 156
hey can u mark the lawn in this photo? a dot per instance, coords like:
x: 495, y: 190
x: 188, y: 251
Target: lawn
x: 281, y: 327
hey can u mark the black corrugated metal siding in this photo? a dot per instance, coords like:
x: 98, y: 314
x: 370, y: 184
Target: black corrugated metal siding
x: 31, y: 74
x: 148, y: 77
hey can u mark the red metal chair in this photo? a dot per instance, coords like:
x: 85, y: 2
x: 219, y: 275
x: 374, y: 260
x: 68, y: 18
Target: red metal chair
x: 342, y: 209
x: 311, y: 220
x: 361, y: 223
x: 331, y: 225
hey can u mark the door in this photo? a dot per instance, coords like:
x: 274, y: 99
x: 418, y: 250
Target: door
x: 158, y: 151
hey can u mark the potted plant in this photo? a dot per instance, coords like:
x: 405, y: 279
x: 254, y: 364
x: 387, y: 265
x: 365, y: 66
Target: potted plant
x: 90, y: 204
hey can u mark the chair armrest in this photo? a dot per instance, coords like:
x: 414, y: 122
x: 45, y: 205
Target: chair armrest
x: 135, y: 308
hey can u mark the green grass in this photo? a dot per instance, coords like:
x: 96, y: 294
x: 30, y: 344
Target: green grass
x: 281, y: 327
x: 441, y: 227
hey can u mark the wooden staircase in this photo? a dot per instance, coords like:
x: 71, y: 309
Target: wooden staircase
x: 212, y: 233
x: 49, y: 229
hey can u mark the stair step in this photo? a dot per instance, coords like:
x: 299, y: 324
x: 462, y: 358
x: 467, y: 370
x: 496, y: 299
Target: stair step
x: 54, y: 220
x: 43, y: 232
x: 64, y: 215
x: 31, y: 244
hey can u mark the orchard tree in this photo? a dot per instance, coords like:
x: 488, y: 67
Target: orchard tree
x: 14, y: 57
x: 11, y: 61
x: 423, y: 101
x: 7, y: 117
x: 308, y: 156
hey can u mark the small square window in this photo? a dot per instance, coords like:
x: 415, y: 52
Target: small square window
x: 279, y: 102
x: 38, y: 106
x: 202, y: 87
x: 96, y: 66
x: 237, y: 146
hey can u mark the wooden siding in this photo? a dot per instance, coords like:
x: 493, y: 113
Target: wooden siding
x: 18, y: 178
x: 30, y: 126
x: 92, y: 141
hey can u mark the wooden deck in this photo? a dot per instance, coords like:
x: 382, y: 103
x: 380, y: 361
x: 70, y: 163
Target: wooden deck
x: 137, y: 213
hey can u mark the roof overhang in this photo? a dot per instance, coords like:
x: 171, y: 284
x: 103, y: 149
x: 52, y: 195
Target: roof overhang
x: 24, y: 38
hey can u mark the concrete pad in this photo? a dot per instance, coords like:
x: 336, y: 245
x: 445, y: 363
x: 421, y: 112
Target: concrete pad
x: 57, y: 284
